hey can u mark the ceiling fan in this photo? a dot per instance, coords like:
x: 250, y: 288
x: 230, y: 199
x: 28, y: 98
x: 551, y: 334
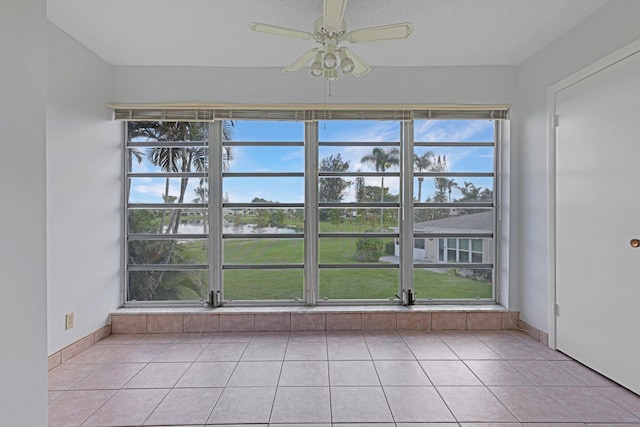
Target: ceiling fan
x: 329, y: 31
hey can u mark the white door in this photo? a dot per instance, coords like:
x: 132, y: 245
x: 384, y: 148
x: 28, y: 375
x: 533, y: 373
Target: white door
x: 597, y: 215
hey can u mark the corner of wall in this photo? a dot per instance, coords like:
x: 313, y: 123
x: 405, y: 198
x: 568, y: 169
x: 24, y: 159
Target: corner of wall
x: 84, y: 152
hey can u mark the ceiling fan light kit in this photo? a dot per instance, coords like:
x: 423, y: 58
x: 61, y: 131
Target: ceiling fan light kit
x: 346, y: 64
x: 329, y: 59
x: 329, y: 31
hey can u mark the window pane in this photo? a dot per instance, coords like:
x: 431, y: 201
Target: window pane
x: 168, y: 159
x: 358, y: 283
x: 452, y: 283
x: 433, y: 250
x: 263, y: 284
x: 437, y: 246
x: 466, y: 221
x: 358, y: 131
x: 266, y: 159
x: 157, y: 221
x: 453, y: 159
x: 263, y: 251
x: 464, y: 244
x: 168, y: 285
x: 359, y: 189
x: 354, y: 250
x: 152, y: 190
x: 335, y: 220
x: 476, y: 245
x: 428, y: 250
x: 266, y: 220
x: 358, y: 158
x: 256, y: 130
x: 453, y: 189
x: 167, y: 131
x: 263, y: 189
x: 453, y: 130
x: 168, y: 252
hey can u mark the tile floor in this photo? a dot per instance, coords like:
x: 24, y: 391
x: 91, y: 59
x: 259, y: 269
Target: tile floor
x: 383, y: 379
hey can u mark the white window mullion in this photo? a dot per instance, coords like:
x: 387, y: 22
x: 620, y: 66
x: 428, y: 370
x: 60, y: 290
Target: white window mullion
x: 216, y: 214
x: 406, y: 208
x: 311, y: 213
x: 124, y: 278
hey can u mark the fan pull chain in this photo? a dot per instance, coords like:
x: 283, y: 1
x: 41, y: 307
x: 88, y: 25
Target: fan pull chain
x: 326, y: 82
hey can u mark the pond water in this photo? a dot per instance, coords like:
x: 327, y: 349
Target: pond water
x: 230, y: 229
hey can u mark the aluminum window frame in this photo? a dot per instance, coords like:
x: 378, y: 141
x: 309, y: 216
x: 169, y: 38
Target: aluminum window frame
x: 223, y: 266
x: 493, y: 205
x: 127, y: 207
x: 399, y: 174
x: 311, y: 235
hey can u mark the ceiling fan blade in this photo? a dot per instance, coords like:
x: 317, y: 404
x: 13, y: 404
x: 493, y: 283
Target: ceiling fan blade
x: 280, y: 31
x: 361, y: 68
x: 301, y: 62
x: 334, y: 12
x: 384, y: 32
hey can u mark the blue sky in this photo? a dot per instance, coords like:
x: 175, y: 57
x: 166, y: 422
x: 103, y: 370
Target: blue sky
x: 291, y: 159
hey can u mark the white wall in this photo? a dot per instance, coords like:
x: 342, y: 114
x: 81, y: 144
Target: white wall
x: 469, y: 85
x: 83, y: 191
x: 607, y: 30
x: 23, y: 310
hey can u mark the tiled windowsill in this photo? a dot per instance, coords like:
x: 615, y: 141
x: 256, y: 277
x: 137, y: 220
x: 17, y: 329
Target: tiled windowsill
x: 250, y: 309
x: 317, y: 318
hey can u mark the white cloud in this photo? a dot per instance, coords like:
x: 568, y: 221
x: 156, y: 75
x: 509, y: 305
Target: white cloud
x: 450, y: 130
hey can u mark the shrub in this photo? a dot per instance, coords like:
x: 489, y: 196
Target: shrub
x: 369, y: 249
x: 390, y: 248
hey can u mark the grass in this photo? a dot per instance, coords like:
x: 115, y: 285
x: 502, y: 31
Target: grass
x: 351, y: 283
x: 348, y: 284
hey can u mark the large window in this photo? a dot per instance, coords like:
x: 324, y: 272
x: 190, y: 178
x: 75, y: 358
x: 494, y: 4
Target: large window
x: 166, y: 217
x: 454, y: 204
x: 359, y: 202
x: 299, y: 209
x: 263, y: 187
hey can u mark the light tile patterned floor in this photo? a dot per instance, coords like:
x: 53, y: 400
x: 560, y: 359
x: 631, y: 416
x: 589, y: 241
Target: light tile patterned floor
x: 381, y: 379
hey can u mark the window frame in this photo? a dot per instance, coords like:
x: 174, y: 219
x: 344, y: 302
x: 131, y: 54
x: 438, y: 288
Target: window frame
x: 311, y: 206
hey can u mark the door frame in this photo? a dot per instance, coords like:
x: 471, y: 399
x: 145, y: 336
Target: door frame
x: 586, y: 72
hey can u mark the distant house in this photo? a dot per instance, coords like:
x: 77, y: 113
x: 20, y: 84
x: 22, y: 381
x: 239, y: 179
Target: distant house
x: 454, y: 249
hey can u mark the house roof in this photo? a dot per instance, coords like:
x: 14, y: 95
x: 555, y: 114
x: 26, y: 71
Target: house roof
x: 471, y: 223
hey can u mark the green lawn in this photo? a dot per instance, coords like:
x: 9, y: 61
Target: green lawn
x: 347, y: 283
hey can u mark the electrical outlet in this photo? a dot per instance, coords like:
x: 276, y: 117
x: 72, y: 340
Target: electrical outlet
x: 68, y: 320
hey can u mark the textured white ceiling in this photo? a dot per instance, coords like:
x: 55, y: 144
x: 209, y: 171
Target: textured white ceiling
x: 216, y: 32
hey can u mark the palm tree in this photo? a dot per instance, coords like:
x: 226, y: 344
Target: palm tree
x: 177, y: 159
x: 443, y: 186
x: 180, y: 159
x: 450, y: 184
x: 382, y: 160
x: 138, y: 155
x: 470, y: 192
x: 421, y: 164
x: 202, y: 196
